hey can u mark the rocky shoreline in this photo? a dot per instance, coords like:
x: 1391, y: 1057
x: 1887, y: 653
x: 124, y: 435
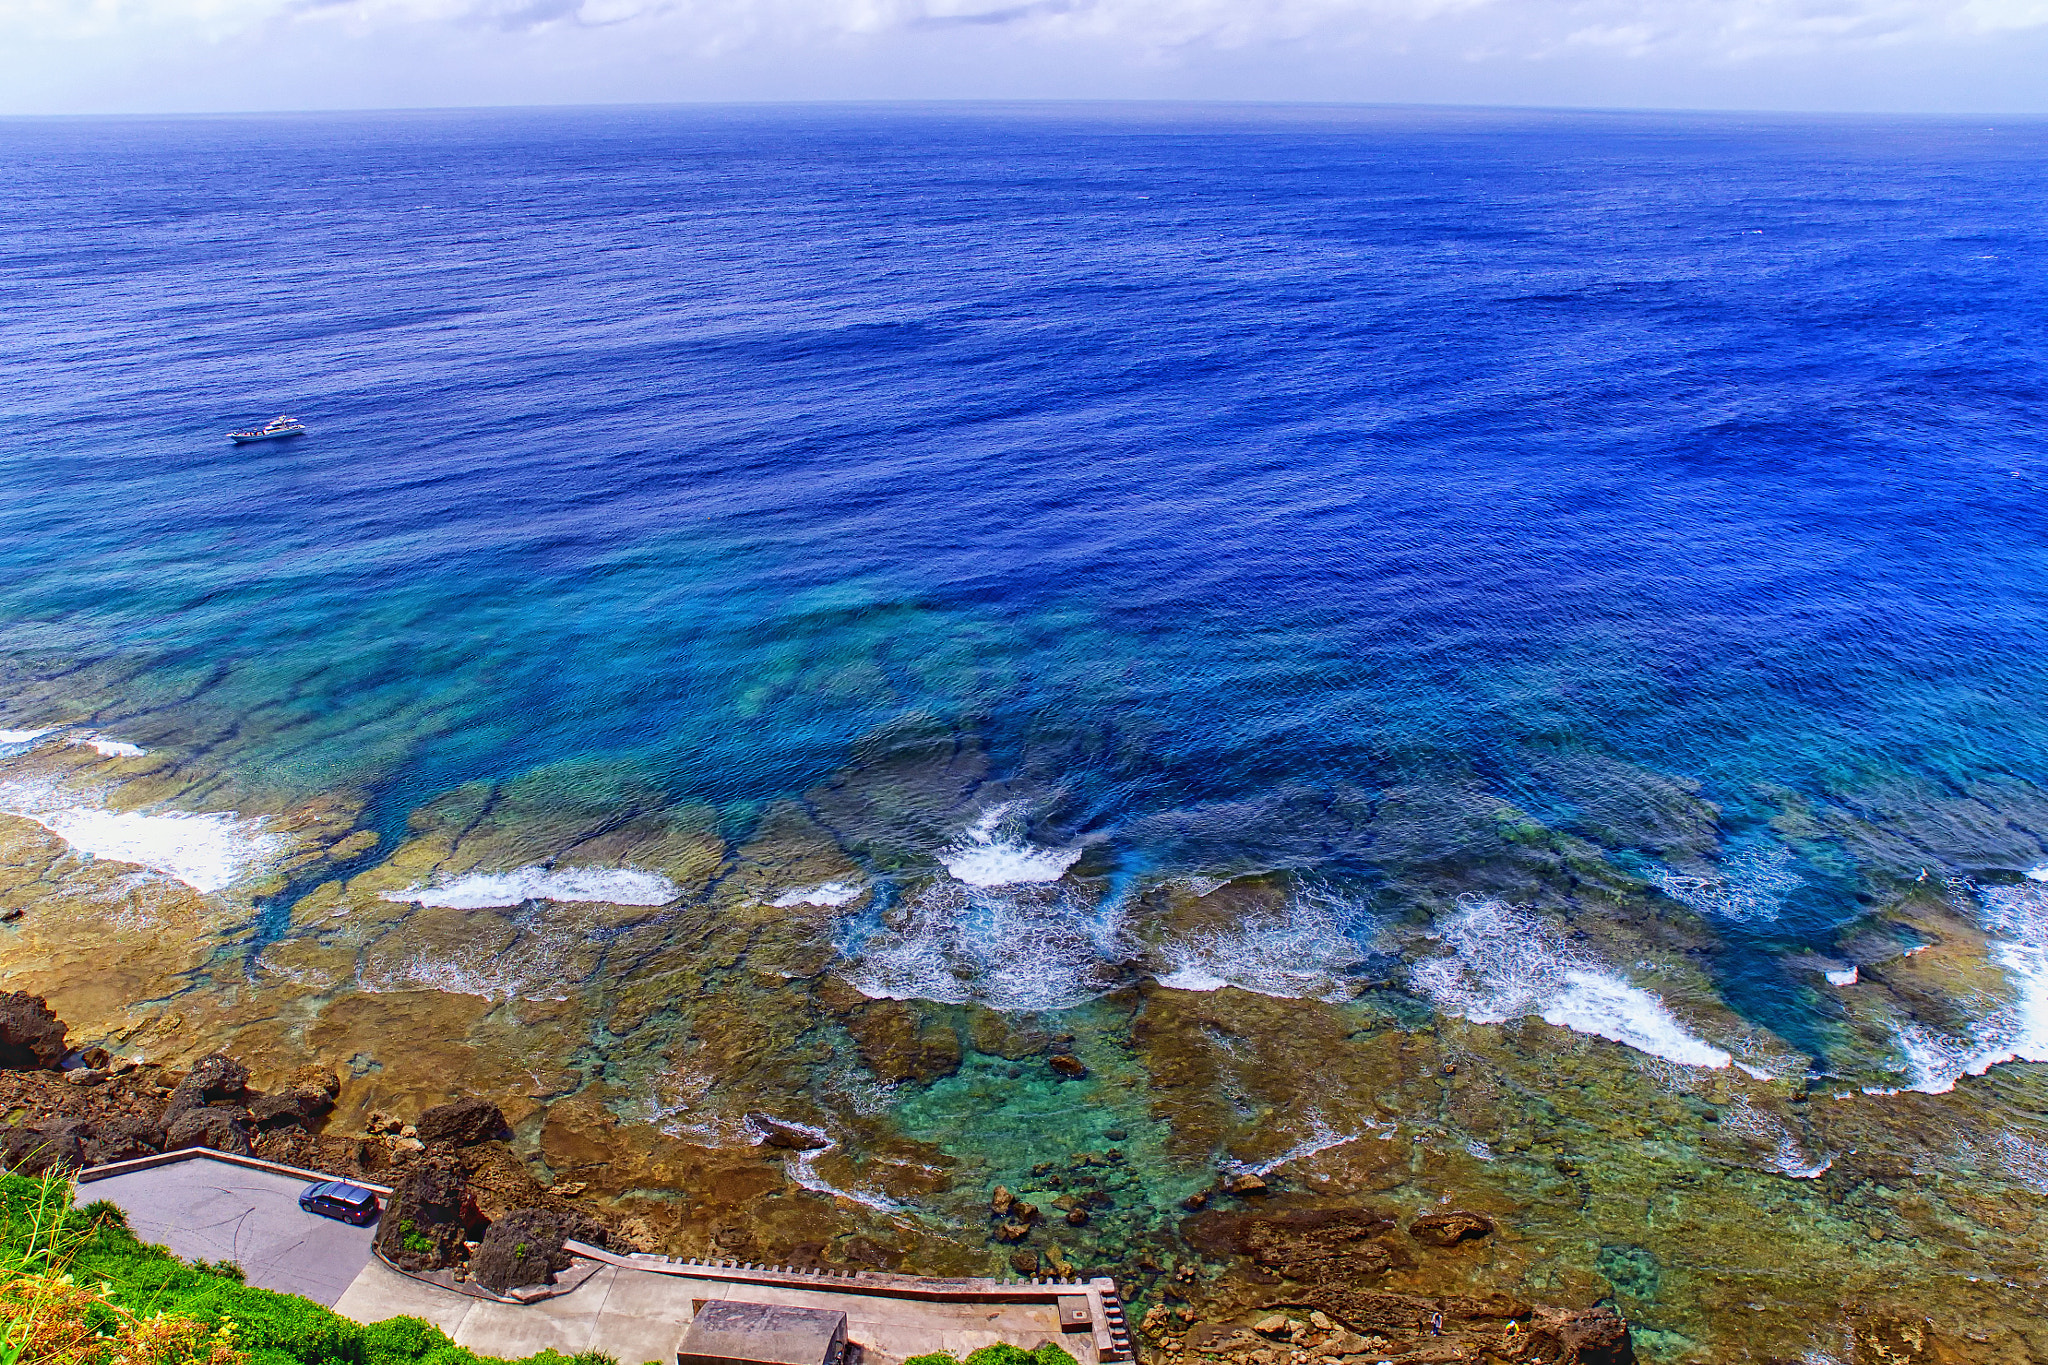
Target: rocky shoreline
x: 463, y: 1204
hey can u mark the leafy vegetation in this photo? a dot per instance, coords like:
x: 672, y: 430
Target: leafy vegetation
x: 78, y: 1288
x: 1048, y: 1354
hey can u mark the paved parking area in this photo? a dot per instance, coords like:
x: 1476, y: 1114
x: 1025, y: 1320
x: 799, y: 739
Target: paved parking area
x: 216, y: 1211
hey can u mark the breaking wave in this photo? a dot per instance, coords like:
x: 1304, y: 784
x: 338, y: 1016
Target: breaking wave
x: 829, y: 894
x: 1506, y: 964
x: 208, y: 851
x: 1011, y: 948
x: 498, y: 890
x: 988, y: 856
x: 1304, y: 953
x: 110, y: 748
x: 2017, y: 919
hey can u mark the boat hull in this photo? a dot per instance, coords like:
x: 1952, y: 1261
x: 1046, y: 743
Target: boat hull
x: 242, y: 438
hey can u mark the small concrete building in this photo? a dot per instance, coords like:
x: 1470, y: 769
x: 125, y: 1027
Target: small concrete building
x: 733, y: 1332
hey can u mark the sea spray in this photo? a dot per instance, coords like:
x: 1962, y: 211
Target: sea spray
x: 1507, y: 963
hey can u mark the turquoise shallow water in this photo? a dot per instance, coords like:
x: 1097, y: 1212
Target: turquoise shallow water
x: 1336, y: 492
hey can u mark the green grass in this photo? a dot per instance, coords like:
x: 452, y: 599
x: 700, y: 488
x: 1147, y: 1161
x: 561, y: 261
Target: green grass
x: 269, y: 1328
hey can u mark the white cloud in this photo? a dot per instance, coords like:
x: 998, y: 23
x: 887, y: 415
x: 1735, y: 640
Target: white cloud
x: 1716, y: 29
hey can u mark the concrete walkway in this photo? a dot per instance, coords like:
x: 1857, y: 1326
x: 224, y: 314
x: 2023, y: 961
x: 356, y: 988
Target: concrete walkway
x: 211, y: 1210
x: 639, y: 1315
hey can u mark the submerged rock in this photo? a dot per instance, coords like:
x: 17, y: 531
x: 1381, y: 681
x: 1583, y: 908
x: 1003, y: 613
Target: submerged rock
x: 1447, y: 1229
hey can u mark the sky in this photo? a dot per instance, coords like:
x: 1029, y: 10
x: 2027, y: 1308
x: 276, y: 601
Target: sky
x: 150, y: 56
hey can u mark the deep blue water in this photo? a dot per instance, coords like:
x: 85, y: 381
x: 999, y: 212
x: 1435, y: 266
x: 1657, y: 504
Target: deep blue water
x: 1229, y: 475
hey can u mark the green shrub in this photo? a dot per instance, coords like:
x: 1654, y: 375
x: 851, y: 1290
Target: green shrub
x: 97, y: 1248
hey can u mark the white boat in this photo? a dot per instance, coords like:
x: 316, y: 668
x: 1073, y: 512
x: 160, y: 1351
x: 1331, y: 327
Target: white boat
x: 270, y: 431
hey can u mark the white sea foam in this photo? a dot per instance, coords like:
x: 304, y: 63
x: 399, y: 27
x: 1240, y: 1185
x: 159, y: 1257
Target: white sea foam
x: 1752, y: 881
x: 1300, y: 954
x: 1846, y: 977
x: 1012, y: 948
x: 1787, y: 1158
x: 2038, y: 873
x: 208, y: 851
x: 1506, y: 963
x: 831, y: 894
x: 987, y: 855
x: 802, y: 1168
x: 538, y: 963
x: 2017, y: 918
x: 111, y: 748
x: 21, y: 736
x: 1321, y: 1138
x: 496, y: 890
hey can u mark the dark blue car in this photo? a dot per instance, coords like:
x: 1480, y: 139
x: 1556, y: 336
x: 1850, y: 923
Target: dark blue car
x: 339, y: 1199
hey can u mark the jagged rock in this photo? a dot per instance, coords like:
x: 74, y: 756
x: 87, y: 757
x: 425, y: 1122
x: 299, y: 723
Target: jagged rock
x: 221, y: 1130
x: 508, y: 1258
x: 999, y: 1203
x: 123, y: 1139
x: 1274, y: 1326
x: 314, y: 1077
x: 525, y: 1246
x: 1309, y: 1245
x: 286, y: 1109
x: 1587, y: 1336
x: 786, y: 1136
x: 98, y: 1058
x: 213, y: 1079
x: 1024, y: 1213
x: 428, y: 1217
x: 1025, y: 1263
x: 1011, y: 1230
x: 1077, y: 1218
x: 86, y: 1076
x: 463, y: 1123
x: 31, y: 1037
x: 1067, y: 1064
x: 1448, y: 1229
x: 44, y: 1148
x: 1245, y: 1183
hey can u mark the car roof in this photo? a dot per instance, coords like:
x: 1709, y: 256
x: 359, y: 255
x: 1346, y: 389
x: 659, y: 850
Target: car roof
x: 342, y: 1190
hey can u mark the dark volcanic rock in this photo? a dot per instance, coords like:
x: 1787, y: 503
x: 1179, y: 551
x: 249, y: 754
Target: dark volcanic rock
x: 427, y: 1218
x: 123, y: 1139
x: 284, y: 1109
x: 222, y: 1130
x: 31, y: 1037
x: 525, y: 1246
x: 1447, y: 1229
x: 1309, y: 1245
x: 44, y: 1148
x: 464, y: 1123
x: 1067, y: 1064
x: 214, y: 1079
x: 786, y: 1136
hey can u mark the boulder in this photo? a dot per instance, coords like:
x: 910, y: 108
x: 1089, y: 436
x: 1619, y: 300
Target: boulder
x: 220, y: 1130
x: 526, y: 1246
x: 31, y: 1037
x: 1244, y: 1183
x: 1067, y: 1064
x: 313, y: 1076
x: 44, y: 1148
x: 786, y: 1136
x: 999, y: 1202
x: 428, y: 1217
x: 123, y: 1139
x: 1448, y: 1229
x: 286, y: 1109
x: 214, y: 1079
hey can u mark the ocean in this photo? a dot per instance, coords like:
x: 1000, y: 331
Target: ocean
x: 1485, y: 540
